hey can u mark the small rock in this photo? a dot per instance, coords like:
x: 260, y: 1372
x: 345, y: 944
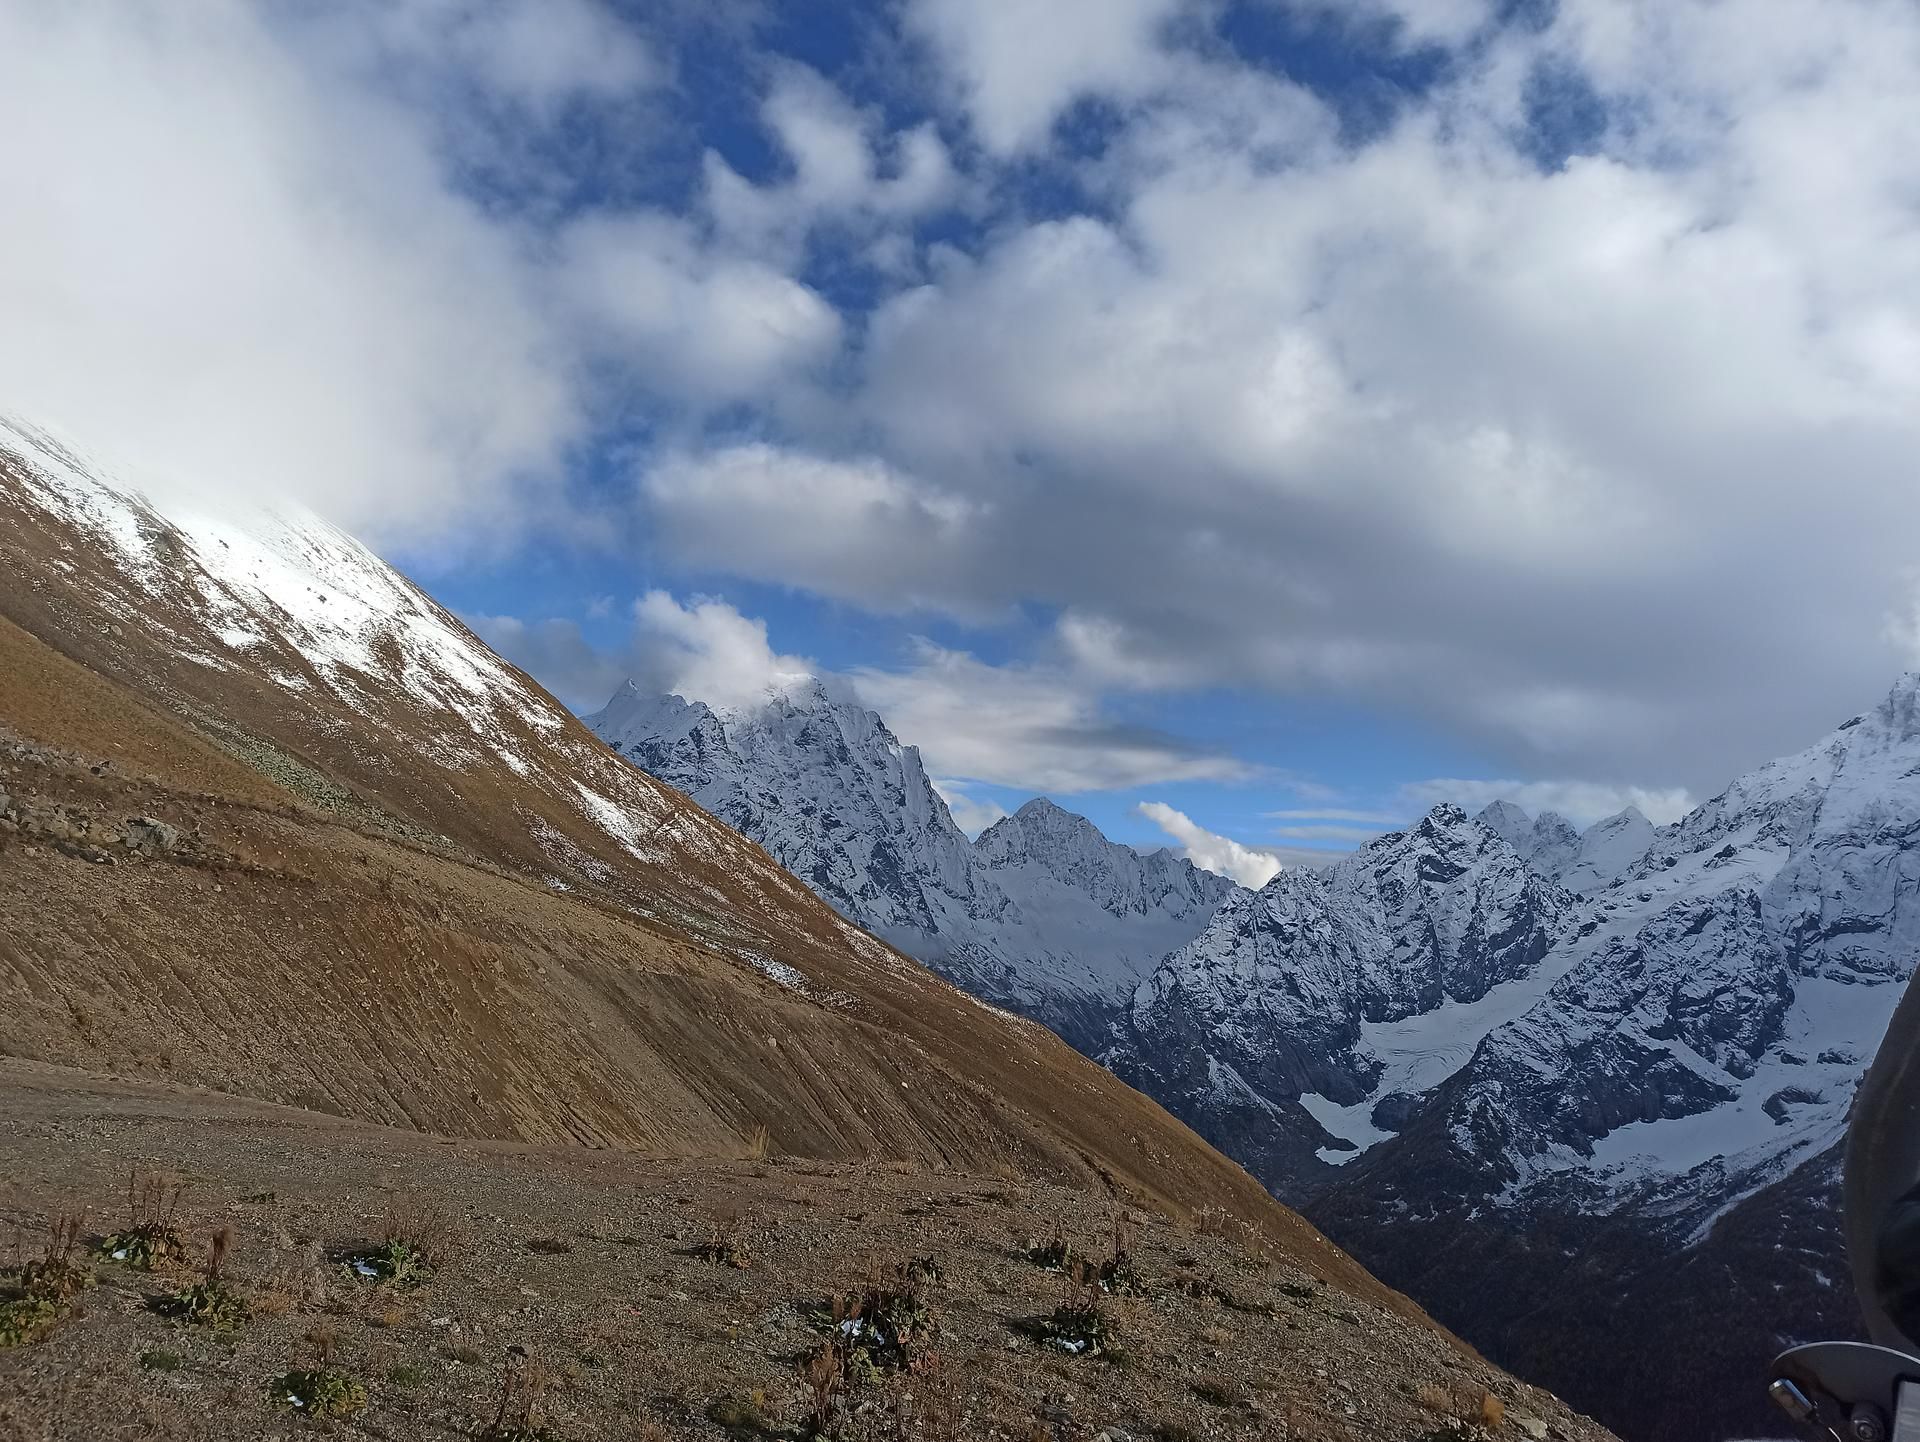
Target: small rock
x: 150, y: 837
x: 1532, y: 1426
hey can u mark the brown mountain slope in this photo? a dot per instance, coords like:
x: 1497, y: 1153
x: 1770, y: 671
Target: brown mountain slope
x: 392, y: 902
x: 277, y: 832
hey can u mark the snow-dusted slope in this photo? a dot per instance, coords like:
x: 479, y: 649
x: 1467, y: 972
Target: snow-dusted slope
x: 1042, y: 914
x: 1657, y: 1135
x: 1582, y: 861
x: 1298, y: 1025
x: 1713, y: 1028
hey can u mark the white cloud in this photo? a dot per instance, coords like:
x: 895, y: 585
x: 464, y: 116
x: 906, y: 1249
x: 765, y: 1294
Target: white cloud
x: 1019, y: 65
x: 1328, y: 833
x: 1581, y: 802
x: 1028, y: 727
x: 224, y: 266
x: 847, y: 169
x: 706, y: 650
x: 536, y: 52
x: 858, y: 530
x: 1248, y: 865
x: 706, y: 327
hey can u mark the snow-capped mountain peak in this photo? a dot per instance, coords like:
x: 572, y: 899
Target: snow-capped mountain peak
x: 1042, y: 914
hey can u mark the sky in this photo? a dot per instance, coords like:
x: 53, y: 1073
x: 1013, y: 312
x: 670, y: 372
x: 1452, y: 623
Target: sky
x: 1247, y: 421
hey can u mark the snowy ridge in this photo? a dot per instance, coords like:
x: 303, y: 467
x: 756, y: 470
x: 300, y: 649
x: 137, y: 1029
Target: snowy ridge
x: 1718, y: 1020
x: 1582, y: 861
x: 1042, y: 915
x: 283, y: 594
x: 1332, y: 995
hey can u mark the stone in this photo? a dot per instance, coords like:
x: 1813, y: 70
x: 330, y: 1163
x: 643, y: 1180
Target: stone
x: 150, y: 837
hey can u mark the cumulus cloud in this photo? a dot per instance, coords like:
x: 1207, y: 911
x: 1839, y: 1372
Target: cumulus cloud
x: 706, y: 650
x: 1575, y: 450
x: 1581, y: 802
x: 224, y: 267
x: 1029, y: 727
x: 847, y: 169
x: 1033, y: 728
x: 1248, y: 865
x: 1015, y: 67
x: 854, y: 529
x: 704, y: 326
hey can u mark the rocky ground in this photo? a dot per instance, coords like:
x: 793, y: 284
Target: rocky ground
x: 590, y: 1264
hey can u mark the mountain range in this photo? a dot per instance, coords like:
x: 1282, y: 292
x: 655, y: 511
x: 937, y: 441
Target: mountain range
x: 1488, y: 1037
x: 1042, y: 914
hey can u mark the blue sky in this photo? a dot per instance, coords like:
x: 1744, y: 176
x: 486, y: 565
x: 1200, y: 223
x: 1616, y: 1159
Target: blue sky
x: 1279, y: 412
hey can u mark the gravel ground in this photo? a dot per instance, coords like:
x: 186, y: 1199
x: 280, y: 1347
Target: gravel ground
x: 588, y: 1260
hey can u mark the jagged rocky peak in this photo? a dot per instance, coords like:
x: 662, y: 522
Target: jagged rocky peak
x: 1072, y: 850
x: 1043, y: 914
x: 1580, y: 861
x: 1282, y: 1027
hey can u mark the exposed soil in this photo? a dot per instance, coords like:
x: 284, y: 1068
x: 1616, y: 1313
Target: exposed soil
x: 589, y: 1260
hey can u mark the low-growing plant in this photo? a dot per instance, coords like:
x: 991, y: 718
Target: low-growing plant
x: 209, y: 1302
x: 516, y: 1414
x: 1054, y: 1252
x: 824, y: 1372
x: 159, y: 1359
x: 1118, y: 1275
x: 737, y: 1414
x: 150, y: 1238
x: 413, y: 1242
x: 405, y: 1374
x: 726, y: 1243
x: 759, y: 1142
x: 26, y: 1319
x: 54, y: 1275
x: 319, y: 1393
x: 1080, y: 1326
x: 885, y: 1327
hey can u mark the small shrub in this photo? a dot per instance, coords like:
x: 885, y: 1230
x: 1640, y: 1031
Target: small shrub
x: 54, y: 1276
x: 523, y: 1382
x: 209, y: 1302
x: 759, y: 1143
x: 1079, y: 1326
x: 1219, y: 1392
x: 395, y: 1263
x: 319, y: 1393
x: 1493, y: 1412
x: 1054, y: 1252
x: 824, y: 1372
x: 159, y: 1359
x: 150, y: 1238
x: 882, y: 1329
x: 405, y: 1374
x: 413, y: 1241
x: 1118, y: 1276
x: 736, y: 1414
x: 726, y: 1243
x: 25, y: 1320
x: 1434, y: 1399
